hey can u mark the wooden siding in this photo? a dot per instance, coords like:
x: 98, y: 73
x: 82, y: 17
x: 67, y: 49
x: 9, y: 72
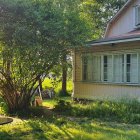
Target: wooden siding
x: 100, y: 90
x: 106, y: 91
x: 78, y: 66
x: 124, y: 23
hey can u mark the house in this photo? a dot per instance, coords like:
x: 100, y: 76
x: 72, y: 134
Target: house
x: 110, y: 68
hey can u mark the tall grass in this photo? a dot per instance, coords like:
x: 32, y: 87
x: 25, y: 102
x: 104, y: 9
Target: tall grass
x: 127, y: 112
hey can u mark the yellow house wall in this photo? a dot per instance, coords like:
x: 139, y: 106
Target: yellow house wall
x: 111, y: 91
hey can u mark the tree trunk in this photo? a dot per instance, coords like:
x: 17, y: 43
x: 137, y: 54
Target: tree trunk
x: 64, y: 75
x: 16, y: 103
x: 40, y: 84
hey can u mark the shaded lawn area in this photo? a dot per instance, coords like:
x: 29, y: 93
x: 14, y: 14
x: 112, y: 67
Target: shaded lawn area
x: 63, y: 129
x: 50, y: 103
x: 67, y: 128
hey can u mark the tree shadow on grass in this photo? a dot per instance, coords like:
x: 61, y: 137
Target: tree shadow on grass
x: 110, y: 128
x: 61, y: 128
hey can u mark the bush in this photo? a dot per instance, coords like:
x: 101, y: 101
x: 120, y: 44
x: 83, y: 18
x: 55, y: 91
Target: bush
x: 63, y: 107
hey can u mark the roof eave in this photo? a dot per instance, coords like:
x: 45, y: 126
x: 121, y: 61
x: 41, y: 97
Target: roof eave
x: 114, y: 41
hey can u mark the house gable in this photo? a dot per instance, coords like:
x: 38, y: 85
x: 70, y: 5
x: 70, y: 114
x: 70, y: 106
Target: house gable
x: 124, y: 21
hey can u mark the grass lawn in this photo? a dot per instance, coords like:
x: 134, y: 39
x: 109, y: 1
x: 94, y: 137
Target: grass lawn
x: 52, y: 102
x: 64, y: 129
x: 67, y: 128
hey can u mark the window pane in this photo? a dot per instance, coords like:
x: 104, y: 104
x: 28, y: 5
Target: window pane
x: 105, y: 60
x: 97, y: 68
x: 137, y: 15
x: 131, y: 68
x: 134, y: 69
x: 138, y: 18
x: 128, y: 58
x: 128, y: 65
x: 90, y: 68
x: 118, y: 68
x: 128, y: 77
x: 107, y: 68
x: 85, y: 62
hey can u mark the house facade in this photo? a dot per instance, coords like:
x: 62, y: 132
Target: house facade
x: 110, y: 68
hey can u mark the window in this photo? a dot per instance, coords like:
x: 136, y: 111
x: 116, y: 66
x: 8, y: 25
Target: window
x: 128, y: 67
x: 87, y: 68
x: 137, y: 15
x: 107, y: 68
x: 85, y: 63
x: 132, y: 68
x: 116, y: 68
x: 96, y: 68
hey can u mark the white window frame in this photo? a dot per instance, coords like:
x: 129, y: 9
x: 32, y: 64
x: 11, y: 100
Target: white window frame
x: 137, y: 16
x: 124, y: 81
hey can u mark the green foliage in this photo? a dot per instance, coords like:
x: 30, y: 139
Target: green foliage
x: 34, y: 35
x: 49, y: 83
x: 127, y: 112
x: 63, y: 106
x: 3, y: 107
x: 99, y: 12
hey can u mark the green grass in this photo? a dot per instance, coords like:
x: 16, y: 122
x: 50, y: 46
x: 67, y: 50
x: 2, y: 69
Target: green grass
x: 50, y: 103
x: 61, y: 128
x: 123, y: 111
x: 70, y: 127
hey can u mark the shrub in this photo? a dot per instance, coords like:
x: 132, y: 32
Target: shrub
x: 63, y: 107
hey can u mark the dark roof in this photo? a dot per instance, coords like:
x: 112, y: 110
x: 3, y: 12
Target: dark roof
x: 130, y: 36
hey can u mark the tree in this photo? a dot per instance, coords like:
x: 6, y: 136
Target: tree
x: 76, y: 31
x: 34, y: 37
x: 96, y: 14
x: 99, y: 12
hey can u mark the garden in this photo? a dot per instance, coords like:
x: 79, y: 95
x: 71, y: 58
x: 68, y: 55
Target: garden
x: 62, y: 118
x: 36, y: 42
